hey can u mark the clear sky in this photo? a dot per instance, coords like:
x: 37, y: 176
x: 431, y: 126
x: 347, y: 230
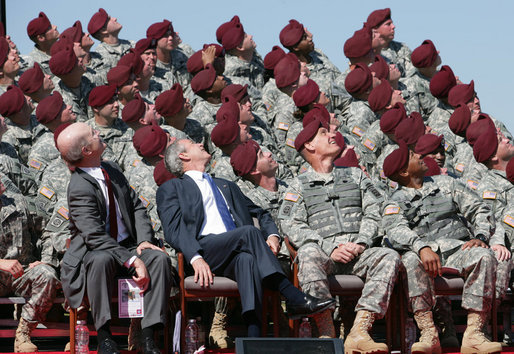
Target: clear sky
x: 470, y: 35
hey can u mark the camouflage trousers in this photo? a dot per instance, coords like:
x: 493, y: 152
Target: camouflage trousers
x: 377, y: 266
x: 503, y: 276
x: 476, y: 265
x: 39, y: 285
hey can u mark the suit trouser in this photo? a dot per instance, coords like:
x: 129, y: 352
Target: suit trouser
x: 102, y: 268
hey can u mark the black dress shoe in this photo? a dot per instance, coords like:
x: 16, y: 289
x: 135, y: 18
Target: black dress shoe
x: 148, y: 346
x: 310, y: 306
x: 108, y: 346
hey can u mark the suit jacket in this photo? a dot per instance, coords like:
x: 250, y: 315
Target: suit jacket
x: 88, y: 214
x: 180, y: 207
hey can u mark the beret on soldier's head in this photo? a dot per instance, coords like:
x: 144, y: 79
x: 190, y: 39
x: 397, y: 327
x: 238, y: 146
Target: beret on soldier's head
x: 11, y: 101
x: 159, y: 29
x: 272, y: 58
x: 425, y: 55
x: 101, y: 95
x: 308, y: 132
x: 32, y: 79
x: 225, y: 27
x: 462, y: 93
x: 74, y: 33
x: 204, y: 79
x: 410, y: 129
x: 133, y: 60
x: 390, y: 119
x: 510, y: 170
x: 63, y: 62
x: 236, y: 91
x: 134, y: 110
x: 485, y: 146
x: 49, y: 108
x: 38, y: 25
x: 306, y: 94
x: 428, y: 143
x: 291, y: 34
x: 119, y: 75
x: 4, y: 51
x: 97, y: 21
x: 228, y: 110
x: 460, y: 120
x: 220, y: 51
x: 144, y: 44
x: 359, y: 44
x: 380, y: 67
x: 475, y: 129
x: 161, y: 174
x: 442, y: 82
x: 377, y: 17
x: 195, y: 63
x: 244, y: 158
x: 340, y: 140
x: 318, y: 111
x: 60, y: 45
x: 396, y: 160
x: 380, y: 96
x: 433, y: 167
x: 287, y: 71
x: 226, y: 131
x: 58, y: 131
x: 150, y: 140
x: 233, y: 37
x: 170, y: 102
x: 359, y: 80
x: 349, y: 159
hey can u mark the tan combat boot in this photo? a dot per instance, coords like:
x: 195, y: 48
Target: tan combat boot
x: 22, y: 343
x: 325, y: 324
x: 474, y: 340
x: 429, y: 339
x: 134, y: 334
x: 359, y: 340
x: 218, y: 336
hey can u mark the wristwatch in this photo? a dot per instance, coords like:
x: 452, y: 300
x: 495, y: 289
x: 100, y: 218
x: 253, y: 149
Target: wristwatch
x: 481, y: 237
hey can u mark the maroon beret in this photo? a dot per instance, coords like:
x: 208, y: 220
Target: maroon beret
x: 380, y: 97
x: 306, y: 94
x: 170, y: 102
x: 308, y: 132
x: 460, y: 119
x: 462, y: 93
x: 220, y: 51
x: 272, y: 58
x: 97, y: 21
x: 39, y: 25
x: 226, y: 131
x: 4, y: 50
x: 59, y: 129
x: 433, y: 167
x: 244, y: 157
x: 11, y: 101
x: 359, y: 80
x: 225, y: 27
x: 150, y: 140
x: 204, y: 79
x: 63, y: 62
x: 235, y: 90
x: 228, y: 110
x: 161, y: 174
x: 442, y: 82
x: 287, y: 70
x: 119, y: 75
x: 195, y: 63
x: 510, y: 170
x: 390, y: 119
x: 396, y: 160
x: 318, y: 112
x: 348, y: 160
x: 133, y: 60
x: 49, y: 108
x: 291, y: 34
x: 380, y: 67
x: 134, y: 110
x: 74, y: 33
x: 428, y: 143
x: 101, y: 95
x: 410, y: 129
x: 485, y: 146
x: 424, y: 55
x: 340, y: 140
x: 144, y: 44
x: 359, y: 44
x: 159, y: 29
x: 32, y: 79
x: 233, y: 37
x: 475, y: 129
x: 377, y: 17
x: 61, y: 45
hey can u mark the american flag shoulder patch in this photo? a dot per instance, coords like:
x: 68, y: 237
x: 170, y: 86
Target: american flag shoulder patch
x: 489, y: 195
x: 390, y: 210
x: 283, y: 126
x: 292, y: 197
x: 47, y: 192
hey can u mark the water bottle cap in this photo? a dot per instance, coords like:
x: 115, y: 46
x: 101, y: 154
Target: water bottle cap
x: 192, y: 320
x: 81, y: 322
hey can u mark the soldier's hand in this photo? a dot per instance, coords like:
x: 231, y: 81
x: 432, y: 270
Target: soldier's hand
x: 147, y: 245
x: 274, y: 244
x: 342, y: 254
x: 35, y: 264
x: 474, y: 243
x: 11, y: 266
x: 203, y: 272
x: 142, y: 278
x: 208, y: 55
x: 430, y: 261
x: 501, y: 252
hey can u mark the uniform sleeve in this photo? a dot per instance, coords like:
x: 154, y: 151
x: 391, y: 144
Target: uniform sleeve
x: 372, y: 200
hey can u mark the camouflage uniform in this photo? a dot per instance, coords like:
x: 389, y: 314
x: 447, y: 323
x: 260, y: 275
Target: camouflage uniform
x: 252, y: 72
x: 169, y: 74
x: 111, y: 54
x: 420, y: 98
x: 77, y: 99
x: 18, y: 173
x: 399, y: 54
x: 464, y: 163
x: 340, y: 99
x: 220, y: 166
x: 292, y: 158
x: 205, y: 113
x: 22, y: 138
x: 53, y: 187
x: 504, y: 270
x: 320, y: 212
x: 359, y: 117
x: 40, y: 57
x: 438, y: 119
x: 384, y: 184
x: 270, y: 95
x: 282, y: 119
x: 432, y: 217
x: 42, y: 154
x: 154, y: 90
x: 371, y: 144
x: 323, y: 71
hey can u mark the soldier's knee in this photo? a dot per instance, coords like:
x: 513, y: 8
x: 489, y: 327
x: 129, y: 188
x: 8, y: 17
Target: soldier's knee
x: 311, y: 250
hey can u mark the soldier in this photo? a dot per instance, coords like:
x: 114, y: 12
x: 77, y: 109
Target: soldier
x: 36, y: 84
x: 149, y: 87
x: 433, y: 146
x: 123, y: 78
x: 390, y: 72
x: 383, y: 97
x: 430, y: 238
x: 9, y: 65
x: 270, y: 92
x: 44, y: 35
x: 336, y: 237
x: 440, y: 85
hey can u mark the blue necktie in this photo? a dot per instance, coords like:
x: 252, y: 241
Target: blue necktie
x: 221, y: 204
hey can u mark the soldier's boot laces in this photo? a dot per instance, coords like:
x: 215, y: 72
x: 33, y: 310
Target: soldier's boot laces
x: 325, y: 324
x: 429, y: 340
x: 218, y: 336
x: 474, y: 340
x: 358, y: 340
x: 134, y: 335
x: 22, y: 341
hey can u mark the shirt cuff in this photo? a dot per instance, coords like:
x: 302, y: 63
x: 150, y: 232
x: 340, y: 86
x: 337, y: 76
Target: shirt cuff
x: 128, y: 263
x: 195, y: 257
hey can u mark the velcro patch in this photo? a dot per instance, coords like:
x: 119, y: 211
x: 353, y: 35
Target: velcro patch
x: 267, y: 105
x: 489, y: 195
x: 213, y: 164
x: 283, y: 126
x: 290, y: 142
x: 446, y: 146
x: 64, y: 213
x: 509, y: 220
x: 35, y: 164
x: 136, y: 162
x: 370, y: 145
x: 382, y: 174
x: 144, y: 201
x: 392, y: 210
x: 292, y: 197
x: 47, y: 192
x: 460, y: 167
x: 472, y: 184
x: 358, y: 131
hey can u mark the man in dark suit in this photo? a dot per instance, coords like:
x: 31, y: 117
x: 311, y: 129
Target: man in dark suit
x: 111, y: 235
x: 215, y: 233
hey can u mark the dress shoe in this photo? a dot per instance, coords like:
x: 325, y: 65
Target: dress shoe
x: 108, y: 346
x: 310, y: 306
x: 148, y: 346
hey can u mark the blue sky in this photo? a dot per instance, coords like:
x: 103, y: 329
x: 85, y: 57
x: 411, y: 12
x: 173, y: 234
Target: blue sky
x: 472, y: 36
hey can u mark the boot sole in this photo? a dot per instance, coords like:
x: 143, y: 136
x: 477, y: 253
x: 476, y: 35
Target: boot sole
x: 422, y: 352
x: 297, y: 317
x: 356, y: 351
x: 474, y: 351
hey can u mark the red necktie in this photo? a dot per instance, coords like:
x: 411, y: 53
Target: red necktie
x: 113, y: 220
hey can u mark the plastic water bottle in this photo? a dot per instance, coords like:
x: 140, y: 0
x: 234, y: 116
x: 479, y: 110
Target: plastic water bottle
x: 191, y: 337
x: 81, y: 338
x: 305, y: 329
x: 201, y: 332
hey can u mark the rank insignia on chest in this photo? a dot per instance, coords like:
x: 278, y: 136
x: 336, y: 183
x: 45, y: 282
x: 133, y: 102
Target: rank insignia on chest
x: 292, y: 197
x: 47, y: 192
x: 358, y: 131
x: 391, y: 210
x: 489, y: 195
x: 283, y: 126
x: 472, y: 184
x: 508, y: 220
x: 290, y: 142
x: 35, y: 164
x: 369, y: 144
